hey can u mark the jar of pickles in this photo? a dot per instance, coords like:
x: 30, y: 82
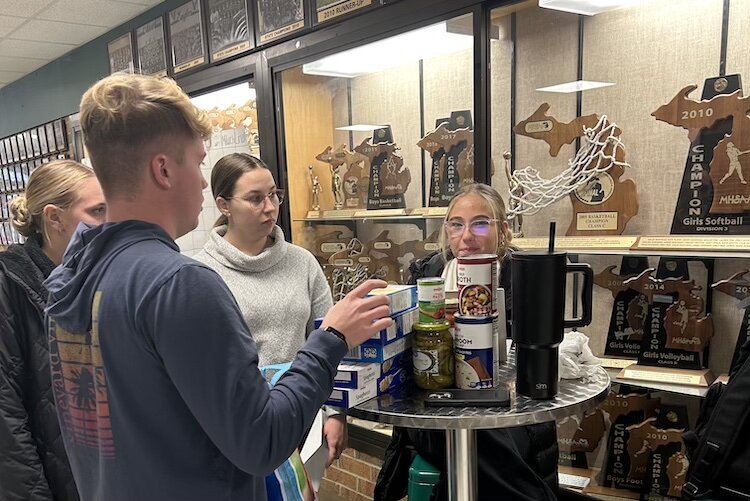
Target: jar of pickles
x: 433, y: 356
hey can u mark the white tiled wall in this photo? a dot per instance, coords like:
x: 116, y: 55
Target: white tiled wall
x: 223, y: 142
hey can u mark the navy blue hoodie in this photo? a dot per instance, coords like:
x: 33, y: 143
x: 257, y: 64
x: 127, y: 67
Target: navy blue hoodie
x: 156, y: 375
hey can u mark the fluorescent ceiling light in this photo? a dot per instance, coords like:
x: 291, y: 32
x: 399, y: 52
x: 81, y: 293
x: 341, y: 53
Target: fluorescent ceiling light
x: 588, y: 7
x: 361, y: 127
x: 577, y: 86
x: 424, y: 43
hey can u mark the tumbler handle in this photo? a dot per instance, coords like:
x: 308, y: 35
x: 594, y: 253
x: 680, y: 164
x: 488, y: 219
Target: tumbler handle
x: 586, y: 294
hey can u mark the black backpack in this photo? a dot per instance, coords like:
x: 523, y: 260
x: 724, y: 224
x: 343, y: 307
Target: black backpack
x: 719, y: 448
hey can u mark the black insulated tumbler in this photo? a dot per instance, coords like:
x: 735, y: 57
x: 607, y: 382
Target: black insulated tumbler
x: 538, y: 288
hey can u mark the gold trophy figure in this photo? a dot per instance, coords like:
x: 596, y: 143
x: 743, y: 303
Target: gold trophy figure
x: 316, y: 189
x: 337, y: 187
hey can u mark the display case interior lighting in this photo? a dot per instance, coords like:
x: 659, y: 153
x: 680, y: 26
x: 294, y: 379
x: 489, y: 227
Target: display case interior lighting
x: 424, y: 43
x: 577, y: 86
x: 224, y: 98
x: 361, y: 127
x: 588, y: 7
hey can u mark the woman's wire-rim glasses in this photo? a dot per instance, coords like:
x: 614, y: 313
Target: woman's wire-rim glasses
x: 256, y: 200
x: 478, y: 227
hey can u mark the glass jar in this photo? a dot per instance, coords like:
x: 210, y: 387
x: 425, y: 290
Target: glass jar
x: 433, y: 356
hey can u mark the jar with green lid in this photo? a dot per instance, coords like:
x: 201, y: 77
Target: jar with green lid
x: 433, y: 356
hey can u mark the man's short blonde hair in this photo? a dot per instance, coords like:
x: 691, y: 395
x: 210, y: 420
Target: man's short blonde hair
x: 125, y: 117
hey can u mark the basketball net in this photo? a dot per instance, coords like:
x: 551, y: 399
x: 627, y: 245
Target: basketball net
x: 530, y: 193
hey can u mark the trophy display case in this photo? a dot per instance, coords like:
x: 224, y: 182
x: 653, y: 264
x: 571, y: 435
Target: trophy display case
x: 375, y: 146
x: 627, y: 127
x: 20, y: 155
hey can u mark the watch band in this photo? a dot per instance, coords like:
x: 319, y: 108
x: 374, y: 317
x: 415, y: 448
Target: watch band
x: 338, y: 334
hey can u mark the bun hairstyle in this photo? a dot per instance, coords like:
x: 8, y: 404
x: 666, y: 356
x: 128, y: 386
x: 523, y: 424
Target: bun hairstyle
x: 20, y: 216
x: 57, y: 183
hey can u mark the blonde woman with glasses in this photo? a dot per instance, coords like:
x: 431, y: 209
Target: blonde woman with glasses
x: 33, y: 463
x: 514, y: 463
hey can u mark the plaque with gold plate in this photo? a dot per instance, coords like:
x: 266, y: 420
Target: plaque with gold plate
x: 355, y: 180
x: 451, y: 149
x: 578, y: 438
x: 621, y: 411
x: 389, y: 177
x: 605, y: 203
x: 657, y: 454
x: 328, y: 10
x: 677, y: 329
x: 714, y: 195
x: 629, y: 312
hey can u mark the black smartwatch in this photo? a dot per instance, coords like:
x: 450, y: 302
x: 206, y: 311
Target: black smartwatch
x: 337, y: 333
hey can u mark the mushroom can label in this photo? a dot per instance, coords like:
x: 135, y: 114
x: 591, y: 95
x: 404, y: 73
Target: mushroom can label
x: 475, y: 353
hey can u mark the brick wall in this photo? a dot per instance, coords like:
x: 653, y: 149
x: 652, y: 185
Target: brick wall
x: 352, y: 477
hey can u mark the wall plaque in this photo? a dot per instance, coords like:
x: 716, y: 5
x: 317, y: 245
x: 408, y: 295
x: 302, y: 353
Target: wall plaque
x: 228, y: 28
x: 186, y: 36
x: 279, y: 18
x: 152, y: 56
x: 120, y: 52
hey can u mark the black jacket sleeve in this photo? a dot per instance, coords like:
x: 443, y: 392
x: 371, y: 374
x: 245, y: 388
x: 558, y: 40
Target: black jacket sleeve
x: 22, y: 475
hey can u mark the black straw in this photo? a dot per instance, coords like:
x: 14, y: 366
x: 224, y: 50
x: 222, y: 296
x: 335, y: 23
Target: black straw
x: 551, y: 237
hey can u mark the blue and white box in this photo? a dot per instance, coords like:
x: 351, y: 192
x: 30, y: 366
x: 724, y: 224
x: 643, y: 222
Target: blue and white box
x: 374, y: 351
x: 349, y: 397
x: 403, y: 324
x: 356, y: 374
x: 403, y: 297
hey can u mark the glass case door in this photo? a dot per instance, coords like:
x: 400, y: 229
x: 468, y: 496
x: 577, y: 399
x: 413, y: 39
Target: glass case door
x: 234, y: 119
x: 377, y: 139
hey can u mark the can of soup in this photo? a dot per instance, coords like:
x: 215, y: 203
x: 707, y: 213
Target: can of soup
x: 475, y: 348
x: 477, y: 281
x: 431, y: 295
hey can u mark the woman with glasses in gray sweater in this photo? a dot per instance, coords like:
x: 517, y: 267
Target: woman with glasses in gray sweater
x: 279, y: 286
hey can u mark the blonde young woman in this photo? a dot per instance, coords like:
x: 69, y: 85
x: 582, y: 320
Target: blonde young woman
x: 516, y: 463
x: 33, y: 464
x: 264, y: 271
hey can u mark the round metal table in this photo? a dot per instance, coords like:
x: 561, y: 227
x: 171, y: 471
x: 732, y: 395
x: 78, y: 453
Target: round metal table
x: 407, y: 409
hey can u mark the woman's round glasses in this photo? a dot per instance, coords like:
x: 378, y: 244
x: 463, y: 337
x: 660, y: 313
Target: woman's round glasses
x: 478, y: 227
x: 258, y: 201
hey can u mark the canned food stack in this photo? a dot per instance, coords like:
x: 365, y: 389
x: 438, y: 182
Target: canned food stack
x: 382, y: 364
x: 477, y: 347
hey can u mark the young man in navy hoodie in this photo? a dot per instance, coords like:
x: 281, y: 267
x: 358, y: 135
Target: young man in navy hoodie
x: 154, y: 371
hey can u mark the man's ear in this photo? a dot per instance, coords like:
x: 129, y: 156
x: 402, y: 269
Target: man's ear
x: 53, y: 217
x: 160, y: 170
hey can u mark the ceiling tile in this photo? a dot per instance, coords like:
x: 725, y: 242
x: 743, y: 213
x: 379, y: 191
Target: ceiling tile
x: 9, y: 23
x: 9, y: 76
x: 22, y: 8
x: 93, y: 12
x: 52, y: 31
x: 23, y: 64
x: 39, y: 50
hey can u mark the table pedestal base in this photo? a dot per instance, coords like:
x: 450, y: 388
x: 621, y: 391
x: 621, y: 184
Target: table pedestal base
x: 461, y: 455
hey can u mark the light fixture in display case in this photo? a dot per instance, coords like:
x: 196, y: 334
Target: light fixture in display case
x: 577, y: 86
x: 431, y: 41
x: 588, y: 7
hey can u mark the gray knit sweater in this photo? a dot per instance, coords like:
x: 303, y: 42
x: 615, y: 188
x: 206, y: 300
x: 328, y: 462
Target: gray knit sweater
x: 280, y: 291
